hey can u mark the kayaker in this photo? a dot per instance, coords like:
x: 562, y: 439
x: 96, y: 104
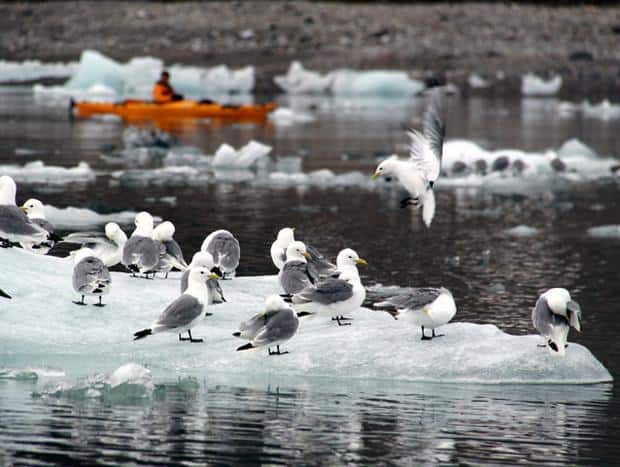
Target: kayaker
x: 163, y: 92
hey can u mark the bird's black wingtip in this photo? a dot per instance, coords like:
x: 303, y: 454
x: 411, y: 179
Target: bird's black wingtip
x: 142, y: 334
x: 301, y: 314
x: 247, y: 346
x: 4, y: 294
x: 236, y: 334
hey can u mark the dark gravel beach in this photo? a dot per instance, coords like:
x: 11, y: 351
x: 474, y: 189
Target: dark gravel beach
x: 442, y: 42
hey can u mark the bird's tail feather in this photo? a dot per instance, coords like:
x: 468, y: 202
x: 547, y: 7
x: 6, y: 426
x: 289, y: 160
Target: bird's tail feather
x: 428, y: 209
x: 142, y: 334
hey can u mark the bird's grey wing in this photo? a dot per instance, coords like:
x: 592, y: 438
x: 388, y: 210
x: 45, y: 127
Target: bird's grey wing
x: 294, y: 277
x: 216, y: 294
x: 326, y: 292
x: 181, y: 312
x: 413, y: 300
x: 225, y: 250
x: 86, y: 238
x: 143, y: 251
x: 44, y: 224
x: 86, y: 274
x: 435, y: 124
x: 184, y: 279
x: 318, y: 266
x: 14, y: 221
x: 174, y: 250
x: 283, y: 325
x: 544, y: 319
x: 252, y: 327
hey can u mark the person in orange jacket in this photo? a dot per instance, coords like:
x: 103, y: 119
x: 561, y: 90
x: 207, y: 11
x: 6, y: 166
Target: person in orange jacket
x: 163, y: 92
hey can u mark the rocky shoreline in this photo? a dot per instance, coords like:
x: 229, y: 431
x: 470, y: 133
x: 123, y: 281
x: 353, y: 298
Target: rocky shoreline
x: 434, y: 42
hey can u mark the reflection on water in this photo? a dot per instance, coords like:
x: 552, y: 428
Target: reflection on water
x: 495, y: 278
x: 198, y: 422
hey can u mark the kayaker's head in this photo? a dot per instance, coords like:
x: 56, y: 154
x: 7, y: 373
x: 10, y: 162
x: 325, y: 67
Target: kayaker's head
x: 165, y: 76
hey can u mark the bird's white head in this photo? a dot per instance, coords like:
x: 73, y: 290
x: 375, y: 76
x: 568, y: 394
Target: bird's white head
x: 34, y: 209
x: 297, y: 251
x: 557, y: 300
x: 114, y: 232
x: 144, y: 224
x: 202, y: 259
x: 275, y: 302
x: 348, y: 258
x: 286, y: 236
x: 164, y: 231
x: 387, y: 168
x: 198, y: 278
x: 81, y: 254
x: 8, y: 190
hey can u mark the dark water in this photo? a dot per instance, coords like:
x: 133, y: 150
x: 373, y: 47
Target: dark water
x: 338, y: 423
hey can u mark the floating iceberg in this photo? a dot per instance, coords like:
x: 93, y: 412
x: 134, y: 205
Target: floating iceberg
x: 605, y: 231
x: 228, y: 157
x: 31, y: 70
x: 42, y: 326
x: 523, y: 231
x: 604, y: 110
x: 167, y: 176
x: 97, y: 72
x: 298, y: 80
x: 81, y: 218
x: 533, y: 85
x: 38, y: 173
x: 285, y: 117
x: 346, y: 82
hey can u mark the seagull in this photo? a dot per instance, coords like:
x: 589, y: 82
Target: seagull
x: 419, y: 173
x: 15, y: 227
x: 205, y: 260
x: 173, y: 256
x: 286, y: 236
x: 271, y: 327
x: 107, y: 246
x: 335, y: 296
x: 141, y: 253
x: 294, y: 276
x: 90, y: 276
x: 4, y: 294
x: 427, y: 307
x: 184, y: 312
x: 553, y: 316
x: 318, y: 266
x: 33, y: 208
x: 224, y: 248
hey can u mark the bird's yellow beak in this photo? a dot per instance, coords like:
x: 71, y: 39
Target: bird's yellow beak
x: 213, y: 276
x: 307, y: 255
x: 23, y: 209
x: 293, y: 229
x: 375, y: 176
x: 361, y: 262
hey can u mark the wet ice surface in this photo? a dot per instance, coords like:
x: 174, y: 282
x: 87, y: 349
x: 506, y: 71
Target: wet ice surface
x: 376, y: 346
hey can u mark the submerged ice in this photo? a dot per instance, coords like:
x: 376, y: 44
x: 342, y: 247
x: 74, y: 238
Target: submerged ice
x: 45, y: 329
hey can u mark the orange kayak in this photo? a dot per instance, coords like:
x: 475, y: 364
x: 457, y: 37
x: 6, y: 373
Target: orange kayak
x: 145, y: 110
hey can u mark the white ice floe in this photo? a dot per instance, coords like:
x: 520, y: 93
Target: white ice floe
x: 523, y: 231
x: 374, y: 347
x: 37, y: 172
x: 605, y: 231
x: 533, y: 85
x: 80, y: 218
x: 228, y: 157
x: 604, y: 110
x: 60, y: 94
x: 285, y: 117
x: 476, y: 81
x: 167, y: 176
x: 135, y: 78
x: 31, y: 70
x: 347, y: 82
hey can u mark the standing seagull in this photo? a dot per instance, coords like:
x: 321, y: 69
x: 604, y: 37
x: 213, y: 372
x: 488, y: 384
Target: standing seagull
x: 419, y: 173
x: 173, y: 257
x: 36, y: 213
x: 90, y: 276
x: 107, y: 246
x: 271, y: 327
x: 202, y: 259
x: 141, y: 253
x: 427, y: 307
x: 14, y: 224
x: 335, y: 296
x: 186, y: 311
x: 286, y: 236
x: 294, y: 276
x: 224, y: 248
x: 553, y: 316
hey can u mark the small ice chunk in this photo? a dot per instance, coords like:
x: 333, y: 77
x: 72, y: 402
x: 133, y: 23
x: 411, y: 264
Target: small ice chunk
x: 605, y: 231
x: 37, y: 172
x: 533, y: 85
x: 523, y: 231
